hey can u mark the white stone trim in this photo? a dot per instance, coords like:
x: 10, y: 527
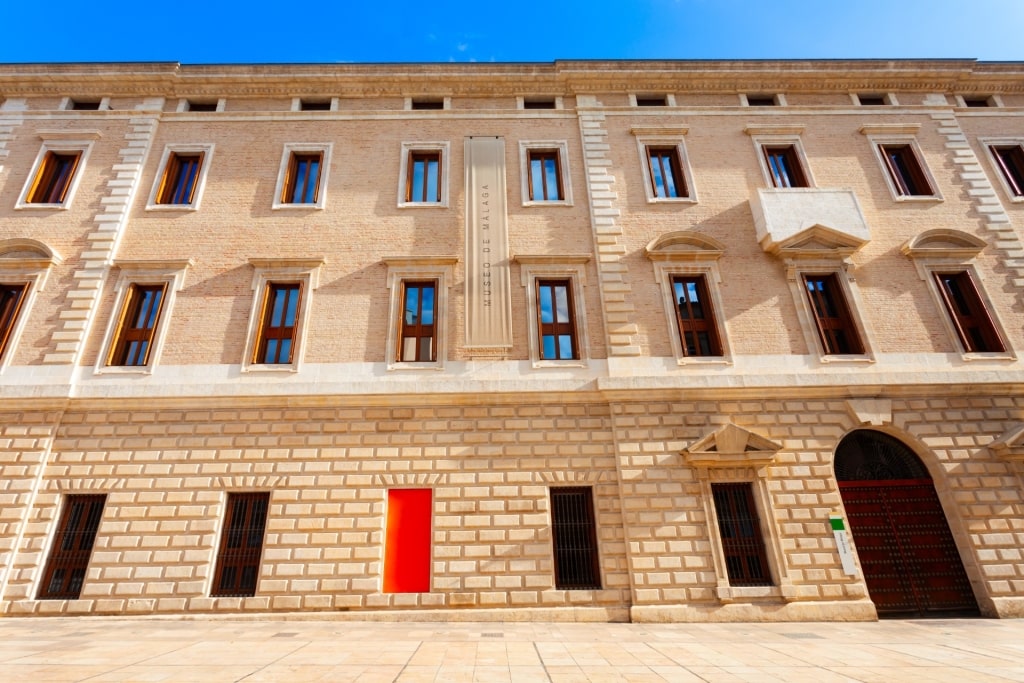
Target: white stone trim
x: 171, y: 274
x: 762, y: 140
x: 994, y: 101
x: 265, y: 272
x: 663, y: 273
x: 559, y: 146
x: 34, y: 275
x: 410, y: 269
x: 58, y: 146
x: 184, y: 103
x: 997, y: 171
x: 67, y: 102
x: 290, y: 149
x: 795, y: 270
x: 206, y: 150
x: 530, y: 272
x: 877, y: 140
x: 444, y: 147
x: 643, y: 141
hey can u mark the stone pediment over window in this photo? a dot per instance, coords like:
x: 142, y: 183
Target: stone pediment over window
x: 818, y: 242
x: 943, y: 243
x: 27, y: 252
x: 731, y: 446
x: 1010, y: 446
x: 684, y: 246
x: 783, y: 214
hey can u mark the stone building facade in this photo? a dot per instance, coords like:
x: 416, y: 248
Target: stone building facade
x: 586, y: 340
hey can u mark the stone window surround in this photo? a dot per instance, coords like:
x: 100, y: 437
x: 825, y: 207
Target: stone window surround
x: 206, y: 150
x: 650, y: 136
x: 296, y: 105
x: 444, y: 147
x: 67, y: 102
x: 80, y: 141
x: 565, y: 267
x: 183, y: 104
x: 888, y: 97
x: 988, y: 143
x: 418, y: 268
x: 780, y: 136
x: 521, y: 102
x: 33, y: 270
x: 265, y: 272
x: 151, y: 272
x: 795, y: 270
x: 780, y: 98
x: 560, y: 146
x: 670, y: 98
x: 900, y: 134
x: 663, y: 273
x: 291, y: 148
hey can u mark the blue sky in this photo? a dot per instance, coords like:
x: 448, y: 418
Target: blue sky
x: 212, y: 31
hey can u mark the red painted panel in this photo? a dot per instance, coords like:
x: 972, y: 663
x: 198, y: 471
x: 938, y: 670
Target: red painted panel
x: 407, y: 544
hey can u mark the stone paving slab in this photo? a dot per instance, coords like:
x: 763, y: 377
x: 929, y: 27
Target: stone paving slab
x: 297, y: 649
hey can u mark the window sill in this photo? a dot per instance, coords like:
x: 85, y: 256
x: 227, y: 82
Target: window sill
x: 400, y: 366
x: 846, y: 358
x: 559, y: 364
x: 671, y: 200
x: 704, y: 360
x: 917, y: 198
x: 422, y: 205
x: 37, y: 206
x: 172, y: 207
x: 550, y: 202
x: 279, y: 206
x: 988, y: 355
x: 143, y: 370
x: 280, y: 368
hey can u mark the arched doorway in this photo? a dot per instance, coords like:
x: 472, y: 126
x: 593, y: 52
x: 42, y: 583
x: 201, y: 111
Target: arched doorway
x: 911, y: 564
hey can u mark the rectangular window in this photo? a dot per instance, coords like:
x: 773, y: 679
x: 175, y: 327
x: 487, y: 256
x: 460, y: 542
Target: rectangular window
x: 139, y: 319
x: 547, y: 103
x: 192, y: 105
x: 407, y: 541
x: 574, y: 536
x: 277, y: 330
x: 740, y: 530
x: 651, y: 101
x: 905, y: 171
x: 667, y: 180
x: 968, y: 313
x: 426, y: 105
x: 241, y: 543
x: 545, y: 175
x: 423, y: 185
x: 784, y: 166
x: 314, y: 105
x: 836, y: 330
x: 416, y: 339
x: 557, y: 327
x: 1010, y: 160
x: 11, y: 299
x: 695, y: 316
x: 871, y: 100
x: 72, y: 547
x: 302, y: 182
x: 85, y: 105
x: 54, y: 178
x: 762, y: 101
x: 181, y: 176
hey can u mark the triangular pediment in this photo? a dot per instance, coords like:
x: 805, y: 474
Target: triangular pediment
x: 819, y: 241
x: 944, y: 243
x: 730, y: 446
x: 684, y: 245
x: 1010, y: 445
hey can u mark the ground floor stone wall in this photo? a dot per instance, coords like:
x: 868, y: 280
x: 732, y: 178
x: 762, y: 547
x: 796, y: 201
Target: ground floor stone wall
x: 650, y: 462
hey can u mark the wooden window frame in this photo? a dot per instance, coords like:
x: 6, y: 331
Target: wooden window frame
x: 268, y: 273
x: 528, y: 149
x: 175, y: 189
x: 411, y: 153
x: 885, y: 137
x: 829, y: 326
x: 129, y: 336
x: 268, y: 332
x: 905, y: 170
x: 71, y: 550
x: 428, y: 159
x: 12, y: 302
x: 678, y: 184
x: 286, y: 176
x: 240, y: 512
x: 293, y: 183
x: 165, y: 186
x: 697, y: 262
x: 556, y: 328
x: 1007, y: 156
x: 406, y: 270
x: 745, y: 555
x: 543, y: 156
x: 574, y: 542
x: 975, y: 328
x: 789, y: 173
x: 689, y: 327
x: 419, y: 330
x: 556, y: 268
x: 56, y: 145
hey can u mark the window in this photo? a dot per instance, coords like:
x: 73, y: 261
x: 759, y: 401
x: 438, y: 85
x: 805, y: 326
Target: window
x: 967, y: 312
x: 764, y: 100
x: 424, y: 175
x: 277, y: 331
x: 85, y: 105
x: 574, y: 537
x: 667, y: 180
x: 407, y: 541
x: 416, y: 341
x: 53, y: 180
x: 740, y: 531
x: 905, y: 170
x: 979, y: 101
x: 12, y: 298
x: 540, y: 103
x: 193, y: 105
x: 314, y: 105
x: 72, y: 547
x: 544, y: 174
x: 241, y: 543
x: 1010, y: 162
x: 555, y: 320
x: 181, y: 176
x: 872, y: 100
x: 695, y: 316
x: 138, y: 324
x: 427, y: 104
x: 302, y: 179
x: 836, y: 330
x: 651, y: 101
x: 784, y: 166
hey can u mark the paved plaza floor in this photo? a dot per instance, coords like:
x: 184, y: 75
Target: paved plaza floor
x: 276, y: 649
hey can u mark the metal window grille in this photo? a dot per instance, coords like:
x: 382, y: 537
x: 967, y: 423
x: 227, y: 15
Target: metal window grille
x: 72, y: 547
x: 575, y: 539
x: 740, y: 531
x: 238, y: 562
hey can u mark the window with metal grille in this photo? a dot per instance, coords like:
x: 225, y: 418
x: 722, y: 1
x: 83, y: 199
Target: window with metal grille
x: 241, y: 543
x: 545, y: 176
x: 575, y: 539
x: 832, y: 318
x: 695, y: 316
x: 139, y: 319
x: 666, y: 170
x: 905, y: 171
x: 181, y: 176
x: 740, y: 531
x: 784, y: 166
x: 417, y: 340
x: 966, y: 310
x: 302, y: 182
x: 54, y: 178
x: 277, y: 331
x: 557, y: 326
x: 423, y: 185
x: 72, y: 547
x: 1010, y: 160
x: 11, y: 299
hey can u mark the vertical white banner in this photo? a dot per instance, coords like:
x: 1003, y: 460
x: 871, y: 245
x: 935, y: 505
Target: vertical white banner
x: 843, y: 544
x: 488, y: 287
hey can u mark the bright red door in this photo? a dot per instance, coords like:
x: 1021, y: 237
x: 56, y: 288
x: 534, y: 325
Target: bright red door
x: 407, y: 542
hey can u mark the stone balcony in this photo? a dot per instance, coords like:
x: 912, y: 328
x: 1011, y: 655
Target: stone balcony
x: 782, y: 216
